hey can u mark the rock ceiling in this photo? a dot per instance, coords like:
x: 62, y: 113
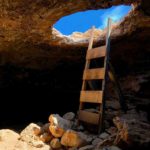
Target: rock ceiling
x: 27, y: 38
x: 26, y: 28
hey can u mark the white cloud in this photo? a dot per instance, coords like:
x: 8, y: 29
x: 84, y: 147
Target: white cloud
x: 115, y: 14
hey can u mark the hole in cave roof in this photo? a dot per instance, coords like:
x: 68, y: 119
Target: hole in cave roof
x: 82, y: 21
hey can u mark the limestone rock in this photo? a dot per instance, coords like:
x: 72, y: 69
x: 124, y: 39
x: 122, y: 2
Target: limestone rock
x: 21, y: 145
x: 55, y: 143
x: 29, y: 137
x: 69, y: 116
x: 60, y: 122
x: 56, y: 131
x: 73, y: 139
x: 87, y: 147
x: 8, y: 139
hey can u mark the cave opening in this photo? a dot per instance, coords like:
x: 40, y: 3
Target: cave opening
x: 83, y: 21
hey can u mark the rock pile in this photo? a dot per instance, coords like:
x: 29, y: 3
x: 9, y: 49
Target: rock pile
x: 64, y: 133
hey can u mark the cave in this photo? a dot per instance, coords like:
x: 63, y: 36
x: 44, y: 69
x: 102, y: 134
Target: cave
x: 41, y: 69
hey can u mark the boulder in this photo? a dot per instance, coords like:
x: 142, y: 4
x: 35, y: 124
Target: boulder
x: 69, y: 116
x: 8, y: 139
x: 55, y: 143
x: 56, y: 131
x: 73, y: 139
x: 29, y: 136
x: 60, y: 122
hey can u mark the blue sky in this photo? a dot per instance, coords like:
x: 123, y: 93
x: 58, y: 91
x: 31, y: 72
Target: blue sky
x: 82, y: 21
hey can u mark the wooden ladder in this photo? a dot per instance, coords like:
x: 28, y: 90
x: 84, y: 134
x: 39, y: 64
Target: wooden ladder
x: 94, y: 96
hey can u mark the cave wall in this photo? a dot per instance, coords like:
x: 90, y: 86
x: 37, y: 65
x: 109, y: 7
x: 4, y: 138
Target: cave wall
x: 46, y: 68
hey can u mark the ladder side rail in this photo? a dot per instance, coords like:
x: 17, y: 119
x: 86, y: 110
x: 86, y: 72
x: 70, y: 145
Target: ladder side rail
x: 101, y: 120
x: 87, y: 64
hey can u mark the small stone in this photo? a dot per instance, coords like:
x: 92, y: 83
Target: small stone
x: 73, y: 139
x: 60, y: 122
x: 56, y: 131
x: 69, y: 116
x: 8, y: 139
x: 55, y: 143
x: 87, y: 147
x: 96, y: 141
x: 104, y: 135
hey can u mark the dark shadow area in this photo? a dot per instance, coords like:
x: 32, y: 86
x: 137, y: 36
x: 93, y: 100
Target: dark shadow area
x: 29, y: 95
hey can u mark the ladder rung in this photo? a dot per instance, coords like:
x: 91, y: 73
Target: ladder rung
x: 96, y: 52
x: 90, y: 74
x: 91, y: 96
x: 89, y: 117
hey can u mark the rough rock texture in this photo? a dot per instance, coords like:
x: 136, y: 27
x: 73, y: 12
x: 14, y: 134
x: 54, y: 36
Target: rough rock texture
x: 56, y: 131
x: 33, y: 54
x: 73, y: 139
x: 29, y: 137
x: 60, y: 122
x: 58, y: 125
x: 133, y: 131
x: 55, y: 143
x: 10, y: 140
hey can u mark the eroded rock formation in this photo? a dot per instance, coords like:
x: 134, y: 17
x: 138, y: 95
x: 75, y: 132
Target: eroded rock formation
x: 34, y: 55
